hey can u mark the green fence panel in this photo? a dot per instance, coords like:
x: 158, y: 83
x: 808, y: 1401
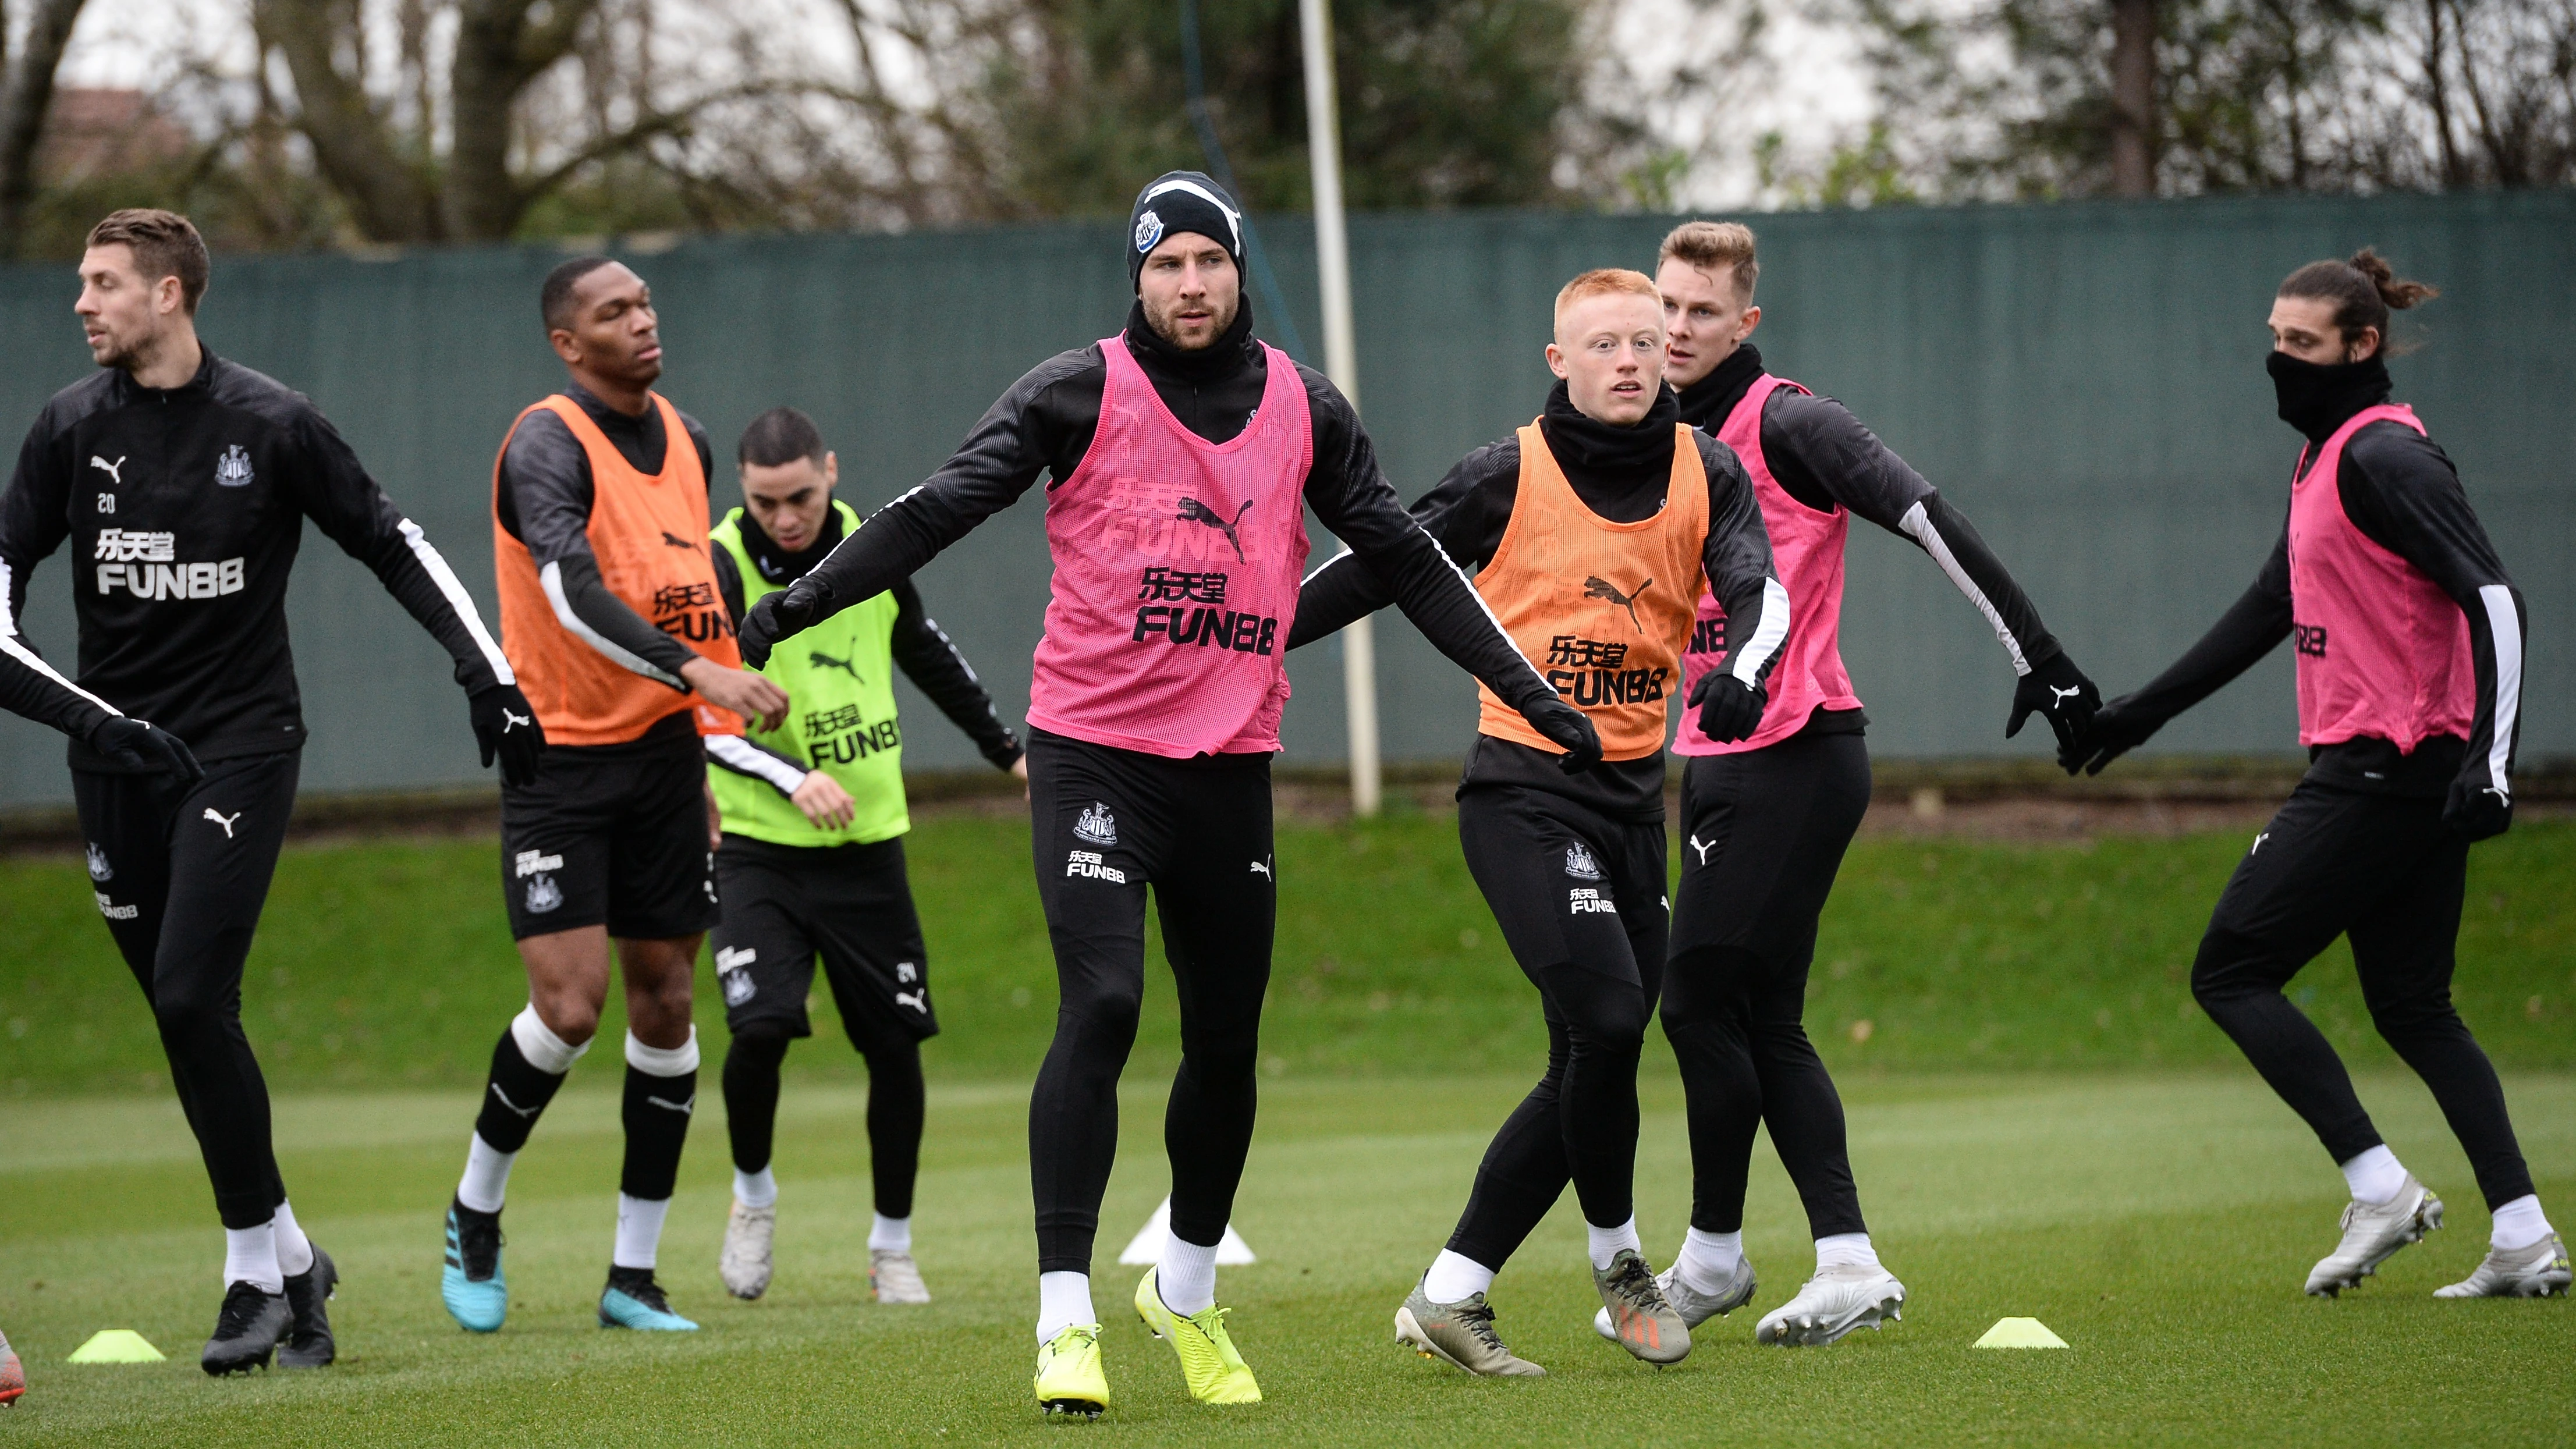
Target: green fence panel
x: 2084, y: 380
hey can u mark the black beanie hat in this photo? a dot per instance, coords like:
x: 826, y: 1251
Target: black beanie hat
x: 1179, y: 201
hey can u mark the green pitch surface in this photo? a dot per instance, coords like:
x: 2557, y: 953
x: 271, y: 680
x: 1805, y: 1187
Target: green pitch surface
x: 2162, y: 1224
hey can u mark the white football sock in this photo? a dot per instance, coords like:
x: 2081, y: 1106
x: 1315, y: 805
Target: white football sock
x: 755, y: 1189
x: 543, y: 1049
x: 487, y: 1176
x: 1839, y: 1250
x: 1605, y: 1243
x: 1064, y: 1301
x: 1707, y: 1261
x: 250, y: 1256
x: 1454, y: 1278
x: 2518, y: 1224
x: 890, y: 1235
x: 294, y: 1250
x: 639, y: 1231
x: 1186, y: 1276
x: 2376, y: 1176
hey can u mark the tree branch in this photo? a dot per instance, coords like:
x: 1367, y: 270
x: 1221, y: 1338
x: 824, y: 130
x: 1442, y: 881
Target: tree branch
x: 25, y: 98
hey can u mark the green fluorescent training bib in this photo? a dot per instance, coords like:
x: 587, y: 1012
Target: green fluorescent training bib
x: 839, y: 678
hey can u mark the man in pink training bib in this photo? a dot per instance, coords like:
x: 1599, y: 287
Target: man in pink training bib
x: 2410, y: 647
x: 1180, y: 453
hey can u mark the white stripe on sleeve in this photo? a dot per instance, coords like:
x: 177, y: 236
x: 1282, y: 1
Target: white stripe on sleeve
x: 550, y: 578
x: 10, y: 646
x: 1918, y: 526
x: 2506, y: 628
x: 463, y: 603
x: 1768, y: 632
x: 738, y: 755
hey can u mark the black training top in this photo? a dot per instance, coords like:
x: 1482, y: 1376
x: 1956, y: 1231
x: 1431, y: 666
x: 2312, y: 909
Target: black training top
x: 2399, y: 488
x: 922, y: 650
x: 185, y: 508
x: 544, y: 502
x: 1620, y: 473
x: 1045, y: 424
x: 1822, y: 457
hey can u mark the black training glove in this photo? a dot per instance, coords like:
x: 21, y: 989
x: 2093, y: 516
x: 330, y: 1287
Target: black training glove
x: 1570, y: 729
x: 140, y: 746
x: 1729, y: 708
x: 781, y: 615
x: 2114, y: 730
x: 2477, y: 809
x: 2059, y: 691
x: 506, y: 727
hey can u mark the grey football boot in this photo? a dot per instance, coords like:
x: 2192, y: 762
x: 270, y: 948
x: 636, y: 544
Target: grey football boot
x: 2372, y: 1234
x: 1694, y: 1306
x: 746, y: 1260
x: 1641, y: 1321
x: 2538, y: 1271
x: 1833, y: 1303
x: 895, y: 1278
x: 1460, y: 1334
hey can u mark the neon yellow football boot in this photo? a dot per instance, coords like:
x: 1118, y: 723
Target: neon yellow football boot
x: 1215, y: 1373
x: 1070, y: 1380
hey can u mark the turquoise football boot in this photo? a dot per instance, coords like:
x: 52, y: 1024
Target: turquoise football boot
x: 477, y: 1297
x: 633, y: 1300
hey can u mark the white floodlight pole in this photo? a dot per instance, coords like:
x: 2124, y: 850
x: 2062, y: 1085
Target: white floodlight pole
x: 1341, y: 364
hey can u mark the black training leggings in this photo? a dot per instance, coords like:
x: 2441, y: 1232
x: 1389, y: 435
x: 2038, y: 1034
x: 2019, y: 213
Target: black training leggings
x: 895, y: 1106
x: 1763, y: 834
x: 1104, y: 823
x: 181, y: 871
x: 2384, y: 871
x: 1580, y: 900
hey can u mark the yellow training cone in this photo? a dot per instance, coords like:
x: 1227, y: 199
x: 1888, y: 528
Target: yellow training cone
x: 116, y: 1345
x: 2020, y: 1333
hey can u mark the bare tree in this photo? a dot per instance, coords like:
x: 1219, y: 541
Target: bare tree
x: 26, y: 95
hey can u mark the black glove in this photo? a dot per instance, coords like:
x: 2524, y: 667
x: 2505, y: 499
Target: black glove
x: 2114, y: 730
x: 2476, y: 808
x: 139, y: 746
x: 781, y: 615
x: 1729, y: 708
x: 2059, y: 691
x: 1571, y: 730
x: 505, y: 725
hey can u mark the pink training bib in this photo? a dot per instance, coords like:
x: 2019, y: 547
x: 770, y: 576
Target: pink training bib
x: 1176, y: 569
x: 2382, y: 651
x: 1807, y: 552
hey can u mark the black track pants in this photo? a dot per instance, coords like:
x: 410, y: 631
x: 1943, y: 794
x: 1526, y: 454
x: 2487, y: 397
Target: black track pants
x: 1580, y: 900
x: 2384, y: 871
x: 1105, y: 822
x: 896, y: 1099
x: 181, y: 872
x: 1763, y: 833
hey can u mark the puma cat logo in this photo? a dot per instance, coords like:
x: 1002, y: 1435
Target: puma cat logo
x: 114, y: 478
x: 1703, y: 847
x: 821, y: 660
x: 225, y: 821
x: 688, y: 1108
x: 2063, y: 695
x: 675, y: 541
x: 1597, y: 587
x: 917, y: 1000
x: 1193, y: 511
x: 523, y: 1112
x: 508, y: 719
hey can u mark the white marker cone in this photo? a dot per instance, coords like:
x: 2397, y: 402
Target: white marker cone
x: 1147, y: 1246
x: 2020, y: 1333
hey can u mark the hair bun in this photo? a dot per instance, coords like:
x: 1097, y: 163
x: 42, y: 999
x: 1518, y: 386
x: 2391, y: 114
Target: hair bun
x: 2397, y: 294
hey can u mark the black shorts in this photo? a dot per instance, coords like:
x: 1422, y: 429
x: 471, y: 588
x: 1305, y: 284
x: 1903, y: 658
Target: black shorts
x: 850, y: 904
x: 612, y: 835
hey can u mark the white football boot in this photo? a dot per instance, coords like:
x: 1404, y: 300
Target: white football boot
x: 745, y: 1263
x: 1694, y: 1306
x: 2538, y: 1271
x: 2372, y: 1234
x: 1832, y: 1303
x: 894, y: 1277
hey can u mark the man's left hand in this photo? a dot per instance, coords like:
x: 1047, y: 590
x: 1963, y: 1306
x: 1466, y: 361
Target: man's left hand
x: 506, y: 729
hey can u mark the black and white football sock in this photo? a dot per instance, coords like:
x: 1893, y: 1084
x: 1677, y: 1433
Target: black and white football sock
x: 661, y: 1095
x: 528, y: 1066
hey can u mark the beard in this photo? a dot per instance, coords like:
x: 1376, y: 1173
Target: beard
x: 1220, y: 318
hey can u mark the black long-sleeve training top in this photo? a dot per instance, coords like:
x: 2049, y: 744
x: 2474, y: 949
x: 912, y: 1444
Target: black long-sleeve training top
x: 544, y: 502
x: 1623, y: 474
x: 1822, y: 457
x: 185, y: 507
x: 922, y: 650
x: 1046, y: 421
x: 2400, y: 489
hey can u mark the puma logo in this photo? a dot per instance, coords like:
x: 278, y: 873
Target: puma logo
x: 524, y: 1112
x: 115, y: 479
x: 688, y: 1108
x: 1597, y: 587
x: 1263, y: 868
x: 917, y: 1000
x: 2258, y: 842
x: 2503, y: 797
x: 675, y: 541
x: 508, y: 719
x: 2063, y: 695
x: 225, y: 821
x: 821, y: 660
x: 1703, y: 847
x: 1193, y: 511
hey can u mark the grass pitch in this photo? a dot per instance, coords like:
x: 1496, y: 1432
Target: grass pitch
x: 2161, y: 1223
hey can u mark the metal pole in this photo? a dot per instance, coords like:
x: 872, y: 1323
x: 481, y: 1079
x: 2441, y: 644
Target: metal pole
x: 1341, y: 364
